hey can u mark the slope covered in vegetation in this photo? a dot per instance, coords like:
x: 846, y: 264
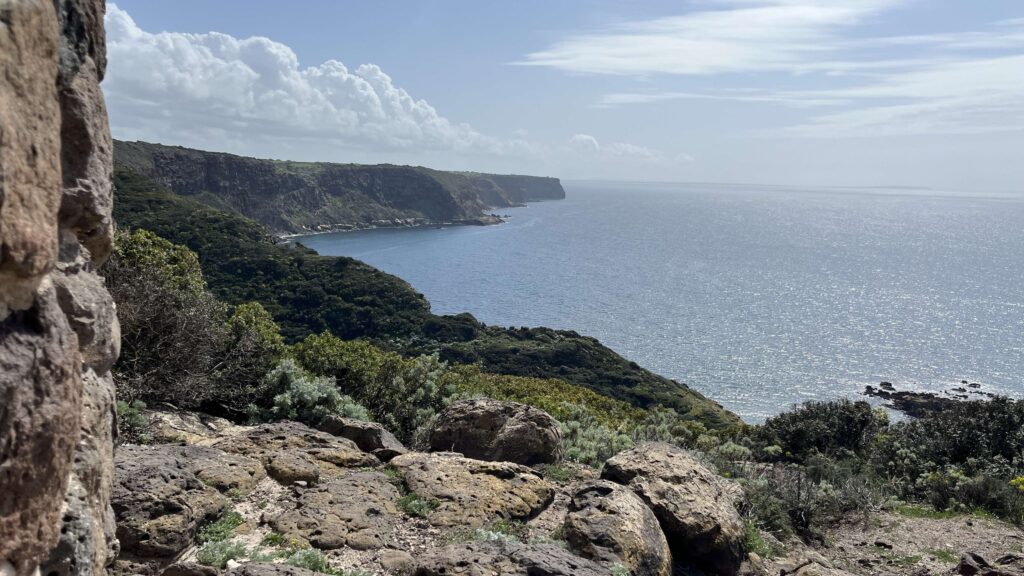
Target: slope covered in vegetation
x: 308, y: 294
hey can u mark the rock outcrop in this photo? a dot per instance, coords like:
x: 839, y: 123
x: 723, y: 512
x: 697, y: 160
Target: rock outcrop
x: 357, y: 510
x: 473, y: 492
x: 58, y: 330
x: 488, y: 429
x: 293, y: 452
x: 696, y: 508
x: 506, y: 559
x: 606, y: 522
x: 368, y: 436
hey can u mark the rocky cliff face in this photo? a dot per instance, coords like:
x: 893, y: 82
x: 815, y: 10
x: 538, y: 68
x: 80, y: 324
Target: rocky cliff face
x: 58, y: 328
x: 296, y: 197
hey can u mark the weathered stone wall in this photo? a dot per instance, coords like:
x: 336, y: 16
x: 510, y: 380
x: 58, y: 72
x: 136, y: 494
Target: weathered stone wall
x: 58, y: 328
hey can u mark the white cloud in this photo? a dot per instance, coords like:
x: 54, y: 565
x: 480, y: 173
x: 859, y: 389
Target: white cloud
x: 587, y: 147
x: 177, y: 86
x: 737, y: 36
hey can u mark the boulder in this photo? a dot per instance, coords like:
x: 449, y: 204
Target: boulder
x: 488, y: 429
x: 293, y: 451
x: 180, y: 427
x: 506, y: 559
x: 694, y: 505
x: 610, y: 524
x: 368, y: 436
x: 267, y: 569
x: 473, y: 492
x: 357, y: 511
x: 159, y: 500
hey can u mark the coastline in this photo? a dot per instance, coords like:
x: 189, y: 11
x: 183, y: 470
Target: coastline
x: 394, y: 224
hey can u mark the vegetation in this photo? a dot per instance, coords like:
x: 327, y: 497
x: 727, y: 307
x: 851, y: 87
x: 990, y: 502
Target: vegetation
x: 307, y: 294
x: 303, y: 397
x: 415, y: 505
x: 132, y: 423
x: 218, y: 553
x: 221, y: 529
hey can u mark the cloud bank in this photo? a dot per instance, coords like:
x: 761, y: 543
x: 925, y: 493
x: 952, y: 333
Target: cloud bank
x: 176, y: 84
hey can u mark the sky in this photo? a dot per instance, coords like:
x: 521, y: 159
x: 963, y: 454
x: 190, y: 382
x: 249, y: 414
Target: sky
x: 923, y: 93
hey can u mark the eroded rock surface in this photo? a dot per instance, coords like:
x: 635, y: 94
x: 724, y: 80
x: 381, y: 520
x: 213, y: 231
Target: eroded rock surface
x: 608, y: 523
x: 368, y: 436
x: 473, y: 492
x: 295, y: 452
x: 694, y: 506
x: 357, y: 510
x: 160, y: 499
x: 488, y: 429
x: 58, y: 329
x: 506, y: 559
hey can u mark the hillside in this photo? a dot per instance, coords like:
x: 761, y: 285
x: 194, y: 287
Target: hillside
x: 307, y: 293
x: 297, y: 197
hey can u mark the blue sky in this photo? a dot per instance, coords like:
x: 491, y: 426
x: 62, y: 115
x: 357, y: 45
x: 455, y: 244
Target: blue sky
x: 840, y: 92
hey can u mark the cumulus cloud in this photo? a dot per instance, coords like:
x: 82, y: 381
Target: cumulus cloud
x: 175, y: 85
x: 587, y: 146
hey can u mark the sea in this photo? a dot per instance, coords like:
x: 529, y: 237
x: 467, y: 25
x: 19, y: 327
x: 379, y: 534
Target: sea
x: 761, y: 297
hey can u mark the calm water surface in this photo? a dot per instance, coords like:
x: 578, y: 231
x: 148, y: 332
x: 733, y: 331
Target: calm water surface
x: 760, y: 297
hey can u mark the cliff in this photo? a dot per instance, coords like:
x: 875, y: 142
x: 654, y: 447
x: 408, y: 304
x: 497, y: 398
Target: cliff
x: 298, y: 197
x: 59, y: 333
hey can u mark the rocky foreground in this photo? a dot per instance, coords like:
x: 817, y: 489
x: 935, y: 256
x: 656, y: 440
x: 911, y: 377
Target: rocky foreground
x: 208, y: 497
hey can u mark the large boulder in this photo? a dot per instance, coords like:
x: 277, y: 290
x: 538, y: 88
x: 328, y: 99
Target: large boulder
x: 160, y: 500
x: 295, y: 452
x: 473, y: 492
x: 495, y: 558
x: 267, y: 569
x: 694, y: 505
x: 368, y: 436
x: 608, y: 523
x: 487, y: 429
x: 357, y: 511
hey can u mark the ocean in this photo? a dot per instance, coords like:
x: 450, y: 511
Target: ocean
x: 758, y: 296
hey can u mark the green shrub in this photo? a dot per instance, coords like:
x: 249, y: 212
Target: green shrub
x: 132, y: 423
x: 403, y: 394
x: 222, y: 528
x: 589, y: 442
x: 252, y: 348
x: 836, y: 428
x: 299, y: 396
x: 415, y: 505
x: 217, y: 554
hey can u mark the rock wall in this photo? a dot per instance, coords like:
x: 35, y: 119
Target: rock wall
x: 58, y: 328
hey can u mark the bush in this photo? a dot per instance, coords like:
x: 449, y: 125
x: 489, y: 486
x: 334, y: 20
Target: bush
x: 217, y: 554
x: 305, y: 398
x: 310, y: 559
x: 587, y: 441
x: 172, y: 329
x: 403, y: 394
x: 252, y: 348
x: 132, y: 423
x: 222, y: 528
x: 837, y: 428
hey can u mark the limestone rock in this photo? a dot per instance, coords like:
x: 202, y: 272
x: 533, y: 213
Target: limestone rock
x: 180, y: 427
x: 693, y: 505
x: 286, y: 448
x: 369, y: 436
x: 473, y: 492
x: 357, y: 510
x: 159, y: 500
x: 608, y: 523
x: 488, y: 429
x: 506, y: 559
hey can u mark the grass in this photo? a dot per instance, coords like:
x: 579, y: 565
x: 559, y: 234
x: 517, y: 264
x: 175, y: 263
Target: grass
x: 559, y: 472
x: 943, y: 555
x: 415, y: 505
x: 312, y: 559
x: 222, y: 528
x: 756, y: 543
x: 218, y: 553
